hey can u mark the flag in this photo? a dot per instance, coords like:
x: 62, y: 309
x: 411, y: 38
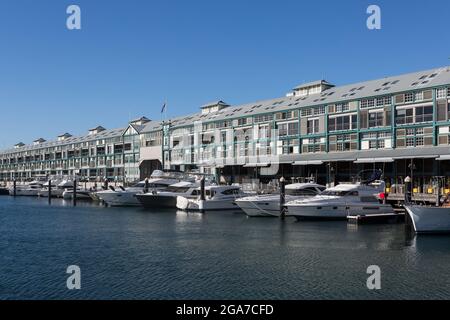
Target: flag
x: 163, y: 108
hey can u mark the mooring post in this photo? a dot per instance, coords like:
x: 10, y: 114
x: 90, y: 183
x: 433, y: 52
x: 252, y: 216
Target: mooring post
x: 408, y: 190
x: 202, y: 195
x: 50, y: 191
x: 74, y: 197
x: 146, y: 185
x: 14, y: 187
x: 282, y: 198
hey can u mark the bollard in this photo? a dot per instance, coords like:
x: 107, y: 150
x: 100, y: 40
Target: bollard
x: 49, y: 191
x: 146, y: 186
x: 202, y: 195
x: 74, y: 196
x: 282, y: 198
x: 14, y: 188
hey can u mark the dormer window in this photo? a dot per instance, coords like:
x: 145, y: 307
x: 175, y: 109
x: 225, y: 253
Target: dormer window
x: 96, y: 130
x: 214, y: 107
x: 311, y: 88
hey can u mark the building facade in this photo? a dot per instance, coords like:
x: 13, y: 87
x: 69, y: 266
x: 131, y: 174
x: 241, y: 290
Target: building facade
x: 397, y: 124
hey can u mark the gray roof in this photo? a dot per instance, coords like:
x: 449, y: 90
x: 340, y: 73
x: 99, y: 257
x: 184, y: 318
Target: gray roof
x: 381, y: 87
x: 71, y: 140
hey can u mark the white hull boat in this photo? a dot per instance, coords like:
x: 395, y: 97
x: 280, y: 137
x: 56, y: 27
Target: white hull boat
x: 120, y: 197
x: 429, y: 219
x: 82, y: 194
x: 30, y: 190
x: 217, y: 198
x: 341, y: 202
x: 269, y: 205
x: 167, y: 199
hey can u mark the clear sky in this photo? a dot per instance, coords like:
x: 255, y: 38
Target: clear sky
x: 132, y: 55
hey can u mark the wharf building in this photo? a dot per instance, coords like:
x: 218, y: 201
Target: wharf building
x: 399, y: 124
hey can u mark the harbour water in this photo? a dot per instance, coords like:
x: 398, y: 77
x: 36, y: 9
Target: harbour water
x: 131, y: 253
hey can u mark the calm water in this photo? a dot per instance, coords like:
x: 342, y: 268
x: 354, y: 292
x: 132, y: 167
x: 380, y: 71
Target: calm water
x: 137, y: 254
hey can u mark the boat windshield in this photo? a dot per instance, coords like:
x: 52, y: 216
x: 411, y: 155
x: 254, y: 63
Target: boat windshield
x: 302, y: 192
x: 177, y: 189
x: 337, y: 193
x: 139, y: 185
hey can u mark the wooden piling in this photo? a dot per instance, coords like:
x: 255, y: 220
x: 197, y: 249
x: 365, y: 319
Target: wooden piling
x: 14, y: 188
x: 49, y: 191
x: 282, y: 198
x: 202, y: 195
x: 74, y: 196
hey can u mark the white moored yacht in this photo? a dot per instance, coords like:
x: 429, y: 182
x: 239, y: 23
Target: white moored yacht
x: 118, y: 197
x: 167, y: 198
x: 58, y: 188
x: 216, y: 198
x: 429, y: 219
x: 82, y: 194
x: 341, y: 201
x: 32, y: 189
x: 269, y: 205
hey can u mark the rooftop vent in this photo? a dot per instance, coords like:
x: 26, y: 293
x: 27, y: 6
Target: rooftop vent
x: 64, y: 136
x: 96, y: 130
x: 214, y: 107
x: 310, y: 88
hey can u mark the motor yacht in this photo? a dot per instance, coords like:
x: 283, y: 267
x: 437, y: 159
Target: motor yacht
x: 269, y: 205
x: 118, y: 197
x: 216, y: 198
x: 31, y: 190
x: 429, y: 219
x: 341, y: 201
x: 58, y: 188
x: 167, y: 198
x: 82, y: 194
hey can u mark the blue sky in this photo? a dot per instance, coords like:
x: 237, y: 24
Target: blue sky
x: 132, y: 55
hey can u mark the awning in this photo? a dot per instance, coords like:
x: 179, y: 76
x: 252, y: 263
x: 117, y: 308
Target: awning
x: 374, y: 160
x: 256, y: 165
x: 415, y: 157
x: 341, y: 160
x: 442, y: 158
x: 308, y: 163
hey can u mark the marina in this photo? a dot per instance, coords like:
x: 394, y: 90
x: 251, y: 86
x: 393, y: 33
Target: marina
x: 358, y: 171
x: 133, y: 253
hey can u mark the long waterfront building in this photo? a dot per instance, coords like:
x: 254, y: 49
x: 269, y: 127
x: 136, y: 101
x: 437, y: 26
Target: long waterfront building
x: 396, y: 123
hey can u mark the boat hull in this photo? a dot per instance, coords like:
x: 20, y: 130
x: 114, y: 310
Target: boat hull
x: 429, y: 219
x: 119, y: 199
x: 336, y: 212
x: 81, y: 195
x: 55, y: 193
x: 25, y: 192
x: 150, y: 201
x: 270, y: 208
x: 186, y: 204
